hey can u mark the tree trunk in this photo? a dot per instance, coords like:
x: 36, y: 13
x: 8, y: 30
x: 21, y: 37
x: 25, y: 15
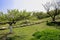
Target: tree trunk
x: 10, y: 27
x: 53, y: 19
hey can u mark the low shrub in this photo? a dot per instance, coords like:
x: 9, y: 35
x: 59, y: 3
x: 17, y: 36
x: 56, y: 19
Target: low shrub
x: 47, y: 34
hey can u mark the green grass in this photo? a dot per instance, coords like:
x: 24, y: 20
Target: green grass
x: 25, y: 33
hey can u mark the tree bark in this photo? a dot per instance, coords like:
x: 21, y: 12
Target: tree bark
x: 53, y: 19
x: 10, y: 27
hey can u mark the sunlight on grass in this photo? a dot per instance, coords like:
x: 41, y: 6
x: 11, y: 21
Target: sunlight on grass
x: 29, y: 30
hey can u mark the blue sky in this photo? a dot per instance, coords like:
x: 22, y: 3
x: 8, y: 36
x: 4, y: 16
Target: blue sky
x: 29, y: 5
x: 6, y: 4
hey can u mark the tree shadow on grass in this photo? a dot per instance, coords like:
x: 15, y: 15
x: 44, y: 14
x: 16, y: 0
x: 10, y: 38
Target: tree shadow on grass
x: 54, y: 24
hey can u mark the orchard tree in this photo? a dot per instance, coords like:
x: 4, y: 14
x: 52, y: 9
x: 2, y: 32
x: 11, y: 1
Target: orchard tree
x: 53, y: 13
x: 56, y: 7
x: 2, y: 17
x: 12, y: 17
x: 47, y: 8
x: 26, y: 15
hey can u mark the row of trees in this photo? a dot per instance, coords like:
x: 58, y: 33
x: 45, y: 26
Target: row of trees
x: 12, y: 16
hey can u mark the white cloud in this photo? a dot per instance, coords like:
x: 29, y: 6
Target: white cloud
x: 30, y: 5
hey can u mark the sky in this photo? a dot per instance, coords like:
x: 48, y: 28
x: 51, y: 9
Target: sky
x: 28, y: 5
